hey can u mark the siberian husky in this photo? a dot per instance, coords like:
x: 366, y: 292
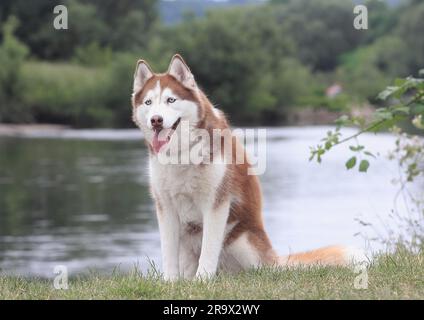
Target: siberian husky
x: 209, y: 213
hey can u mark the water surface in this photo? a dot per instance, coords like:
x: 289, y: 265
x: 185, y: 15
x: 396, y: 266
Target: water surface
x: 80, y: 198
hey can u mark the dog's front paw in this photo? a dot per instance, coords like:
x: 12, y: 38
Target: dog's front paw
x: 170, y: 277
x: 203, y: 274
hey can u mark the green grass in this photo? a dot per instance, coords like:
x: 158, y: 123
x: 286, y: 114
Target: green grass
x: 398, y: 276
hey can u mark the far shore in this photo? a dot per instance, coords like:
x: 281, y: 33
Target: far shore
x: 301, y: 117
x: 67, y: 132
x: 16, y: 130
x: 297, y: 118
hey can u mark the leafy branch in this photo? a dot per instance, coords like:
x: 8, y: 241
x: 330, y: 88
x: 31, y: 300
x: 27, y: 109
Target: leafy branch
x: 382, y: 119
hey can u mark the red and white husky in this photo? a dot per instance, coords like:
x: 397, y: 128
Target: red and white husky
x: 210, y: 214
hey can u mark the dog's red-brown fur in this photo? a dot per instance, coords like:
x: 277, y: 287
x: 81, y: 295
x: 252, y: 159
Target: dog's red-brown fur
x: 238, y: 186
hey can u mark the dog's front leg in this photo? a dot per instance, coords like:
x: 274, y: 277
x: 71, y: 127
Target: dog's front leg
x: 169, y: 228
x: 214, y: 223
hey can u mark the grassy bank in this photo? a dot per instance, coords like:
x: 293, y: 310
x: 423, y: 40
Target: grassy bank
x: 398, y: 276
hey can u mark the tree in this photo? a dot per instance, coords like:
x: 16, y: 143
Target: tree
x: 410, y: 29
x: 234, y: 55
x: 121, y: 25
x: 382, y: 20
x: 12, y: 54
x: 321, y: 29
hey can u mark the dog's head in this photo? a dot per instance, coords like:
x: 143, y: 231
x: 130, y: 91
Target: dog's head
x: 162, y: 101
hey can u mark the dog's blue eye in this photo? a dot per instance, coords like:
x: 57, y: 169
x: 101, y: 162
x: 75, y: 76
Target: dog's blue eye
x: 148, y: 102
x: 171, y: 100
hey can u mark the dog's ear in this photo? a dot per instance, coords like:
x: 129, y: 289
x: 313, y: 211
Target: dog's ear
x: 143, y: 72
x: 180, y: 71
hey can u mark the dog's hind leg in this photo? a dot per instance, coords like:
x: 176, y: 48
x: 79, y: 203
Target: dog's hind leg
x: 249, y: 250
x: 243, y: 253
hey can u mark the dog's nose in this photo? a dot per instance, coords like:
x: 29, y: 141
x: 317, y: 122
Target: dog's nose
x: 157, y: 122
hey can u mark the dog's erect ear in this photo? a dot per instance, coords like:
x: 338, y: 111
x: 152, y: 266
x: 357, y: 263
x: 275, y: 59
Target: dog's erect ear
x: 180, y: 71
x: 142, y: 73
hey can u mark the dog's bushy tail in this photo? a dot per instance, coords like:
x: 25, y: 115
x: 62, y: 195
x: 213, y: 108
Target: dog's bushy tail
x: 331, y: 256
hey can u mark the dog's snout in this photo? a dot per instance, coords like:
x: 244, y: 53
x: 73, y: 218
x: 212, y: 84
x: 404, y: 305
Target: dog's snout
x: 157, y: 122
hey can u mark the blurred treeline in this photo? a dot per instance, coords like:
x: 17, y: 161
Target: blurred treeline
x: 258, y: 63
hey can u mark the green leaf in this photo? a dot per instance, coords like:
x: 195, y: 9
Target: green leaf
x: 400, y: 82
x: 389, y: 91
x: 351, y: 163
x: 364, y: 165
x: 418, y: 109
x: 369, y: 154
x: 356, y: 148
x: 401, y: 109
x: 383, y: 114
x: 388, y: 123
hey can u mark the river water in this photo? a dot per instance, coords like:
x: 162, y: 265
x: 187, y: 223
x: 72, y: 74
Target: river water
x: 80, y: 198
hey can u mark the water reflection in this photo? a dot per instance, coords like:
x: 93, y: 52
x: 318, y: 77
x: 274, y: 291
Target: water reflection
x: 85, y: 203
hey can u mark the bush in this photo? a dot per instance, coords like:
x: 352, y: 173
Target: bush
x: 254, y: 62
x: 12, y: 55
x: 93, y: 55
x: 410, y: 28
x: 321, y: 30
x: 361, y: 75
x: 117, y: 88
x: 64, y: 93
x: 243, y: 60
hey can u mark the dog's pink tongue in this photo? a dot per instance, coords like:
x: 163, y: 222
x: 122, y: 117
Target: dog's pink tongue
x: 157, y: 143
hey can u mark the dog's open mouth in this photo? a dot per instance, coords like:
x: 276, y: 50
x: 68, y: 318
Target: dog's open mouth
x: 162, y: 136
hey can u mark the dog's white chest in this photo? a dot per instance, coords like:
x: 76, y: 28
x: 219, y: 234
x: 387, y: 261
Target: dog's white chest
x: 187, y: 189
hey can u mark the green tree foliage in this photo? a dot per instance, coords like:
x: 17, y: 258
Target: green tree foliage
x: 66, y: 94
x: 12, y: 55
x: 410, y: 30
x: 242, y: 58
x: 321, y: 29
x: 257, y: 63
x: 121, y: 25
x: 381, y: 20
x: 368, y: 69
x: 396, y: 49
